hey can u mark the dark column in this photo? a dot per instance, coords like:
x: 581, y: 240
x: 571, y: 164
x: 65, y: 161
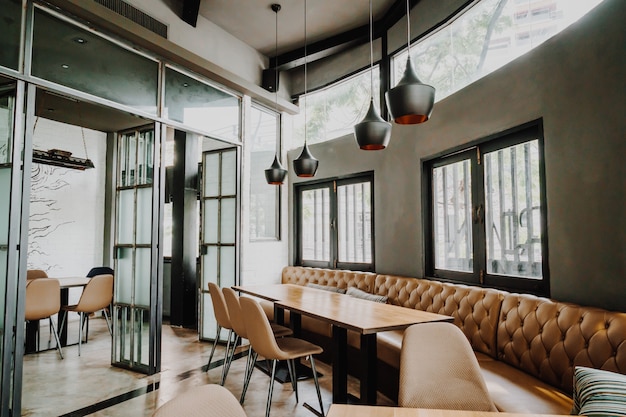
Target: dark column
x: 183, y: 191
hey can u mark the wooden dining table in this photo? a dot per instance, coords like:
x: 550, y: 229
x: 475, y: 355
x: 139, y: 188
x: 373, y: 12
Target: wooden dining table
x: 32, y: 328
x: 347, y: 410
x: 344, y: 313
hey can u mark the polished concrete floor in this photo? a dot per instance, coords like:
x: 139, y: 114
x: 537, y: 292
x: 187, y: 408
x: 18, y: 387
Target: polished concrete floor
x: 89, y: 386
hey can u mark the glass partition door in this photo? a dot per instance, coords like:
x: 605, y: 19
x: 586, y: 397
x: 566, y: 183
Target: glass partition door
x: 12, y: 94
x: 219, y: 262
x: 136, y: 319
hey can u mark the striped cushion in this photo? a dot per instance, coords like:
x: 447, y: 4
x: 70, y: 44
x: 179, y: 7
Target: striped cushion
x: 599, y: 393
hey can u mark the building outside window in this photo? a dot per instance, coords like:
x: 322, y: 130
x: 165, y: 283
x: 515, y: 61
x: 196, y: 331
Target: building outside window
x: 264, y: 198
x: 486, y: 213
x: 335, y: 223
x: 333, y: 111
x: 488, y: 35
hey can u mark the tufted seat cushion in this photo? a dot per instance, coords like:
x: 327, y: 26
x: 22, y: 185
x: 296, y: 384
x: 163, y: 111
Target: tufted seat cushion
x: 513, y: 390
x: 547, y: 339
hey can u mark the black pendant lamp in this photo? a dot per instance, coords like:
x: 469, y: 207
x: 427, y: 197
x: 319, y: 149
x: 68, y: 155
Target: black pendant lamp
x: 275, y: 174
x: 306, y: 164
x: 373, y: 132
x: 410, y: 102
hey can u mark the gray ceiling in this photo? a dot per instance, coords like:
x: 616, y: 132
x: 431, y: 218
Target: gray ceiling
x: 254, y: 22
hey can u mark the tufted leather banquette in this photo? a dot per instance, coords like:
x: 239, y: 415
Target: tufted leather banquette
x: 527, y: 346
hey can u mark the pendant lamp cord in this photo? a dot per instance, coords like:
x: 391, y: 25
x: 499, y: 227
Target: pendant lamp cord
x: 371, y: 53
x: 305, y: 80
x: 408, y: 29
x: 276, y: 58
x: 82, y: 131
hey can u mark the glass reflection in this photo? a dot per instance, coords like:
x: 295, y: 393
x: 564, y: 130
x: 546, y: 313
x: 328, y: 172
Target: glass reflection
x: 200, y: 105
x: 11, y: 18
x: 76, y: 58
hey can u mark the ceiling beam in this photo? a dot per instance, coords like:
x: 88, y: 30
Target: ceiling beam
x: 191, y: 8
x: 342, y: 41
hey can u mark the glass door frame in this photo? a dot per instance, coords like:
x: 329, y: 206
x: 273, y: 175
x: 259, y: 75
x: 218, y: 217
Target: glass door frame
x: 203, y: 291
x: 156, y: 245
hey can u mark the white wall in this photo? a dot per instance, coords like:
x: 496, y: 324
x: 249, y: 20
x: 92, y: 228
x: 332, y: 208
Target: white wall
x: 66, y: 223
x: 208, y: 41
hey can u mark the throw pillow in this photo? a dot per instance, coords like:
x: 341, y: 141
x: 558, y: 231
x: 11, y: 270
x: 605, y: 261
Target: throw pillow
x: 599, y: 393
x: 326, y: 288
x: 355, y: 292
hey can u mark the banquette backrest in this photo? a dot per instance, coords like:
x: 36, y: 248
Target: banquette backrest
x: 331, y: 277
x: 540, y: 336
x: 475, y: 310
x: 547, y: 338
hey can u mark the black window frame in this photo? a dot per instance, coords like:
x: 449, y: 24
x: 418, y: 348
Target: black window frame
x: 473, y: 151
x: 332, y: 184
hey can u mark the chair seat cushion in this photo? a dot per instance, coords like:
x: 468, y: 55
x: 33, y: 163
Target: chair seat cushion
x: 297, y: 348
x: 515, y: 391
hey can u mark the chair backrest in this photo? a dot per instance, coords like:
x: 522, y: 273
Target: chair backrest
x: 234, y: 312
x: 97, y: 294
x: 259, y: 330
x: 219, y: 306
x: 36, y: 273
x: 438, y: 369
x: 99, y: 270
x: 204, y: 401
x: 43, y: 298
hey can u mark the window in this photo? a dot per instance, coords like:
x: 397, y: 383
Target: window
x: 333, y: 111
x: 486, y: 213
x: 335, y: 223
x: 264, y: 198
x: 481, y: 39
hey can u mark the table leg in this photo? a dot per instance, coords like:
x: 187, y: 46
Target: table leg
x: 32, y: 332
x: 340, y: 365
x: 279, y: 315
x: 62, y: 313
x: 368, y: 365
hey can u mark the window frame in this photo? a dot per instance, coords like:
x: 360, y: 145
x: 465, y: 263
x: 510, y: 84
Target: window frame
x: 479, y: 276
x: 332, y: 184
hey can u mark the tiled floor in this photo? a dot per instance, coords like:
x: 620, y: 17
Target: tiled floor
x: 89, y: 385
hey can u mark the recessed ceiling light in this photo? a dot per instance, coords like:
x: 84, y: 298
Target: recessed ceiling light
x: 80, y: 40
x: 65, y: 66
x: 185, y: 85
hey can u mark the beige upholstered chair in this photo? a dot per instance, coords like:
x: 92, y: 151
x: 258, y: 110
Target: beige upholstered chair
x: 265, y: 344
x: 438, y: 369
x: 204, y: 401
x: 239, y: 327
x: 43, y: 300
x: 36, y: 273
x: 223, y: 322
x: 97, y: 295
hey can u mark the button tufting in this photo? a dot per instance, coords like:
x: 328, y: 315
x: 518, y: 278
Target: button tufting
x: 606, y: 325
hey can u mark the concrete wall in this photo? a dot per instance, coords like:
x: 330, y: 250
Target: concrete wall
x: 576, y: 82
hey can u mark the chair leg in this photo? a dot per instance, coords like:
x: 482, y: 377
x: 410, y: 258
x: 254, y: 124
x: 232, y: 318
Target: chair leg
x: 106, y: 316
x: 217, y: 336
x: 317, y: 384
x: 56, y: 336
x: 231, y: 353
x: 80, y: 331
x: 248, y: 374
x: 291, y: 365
x: 269, y: 394
x: 225, y: 365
